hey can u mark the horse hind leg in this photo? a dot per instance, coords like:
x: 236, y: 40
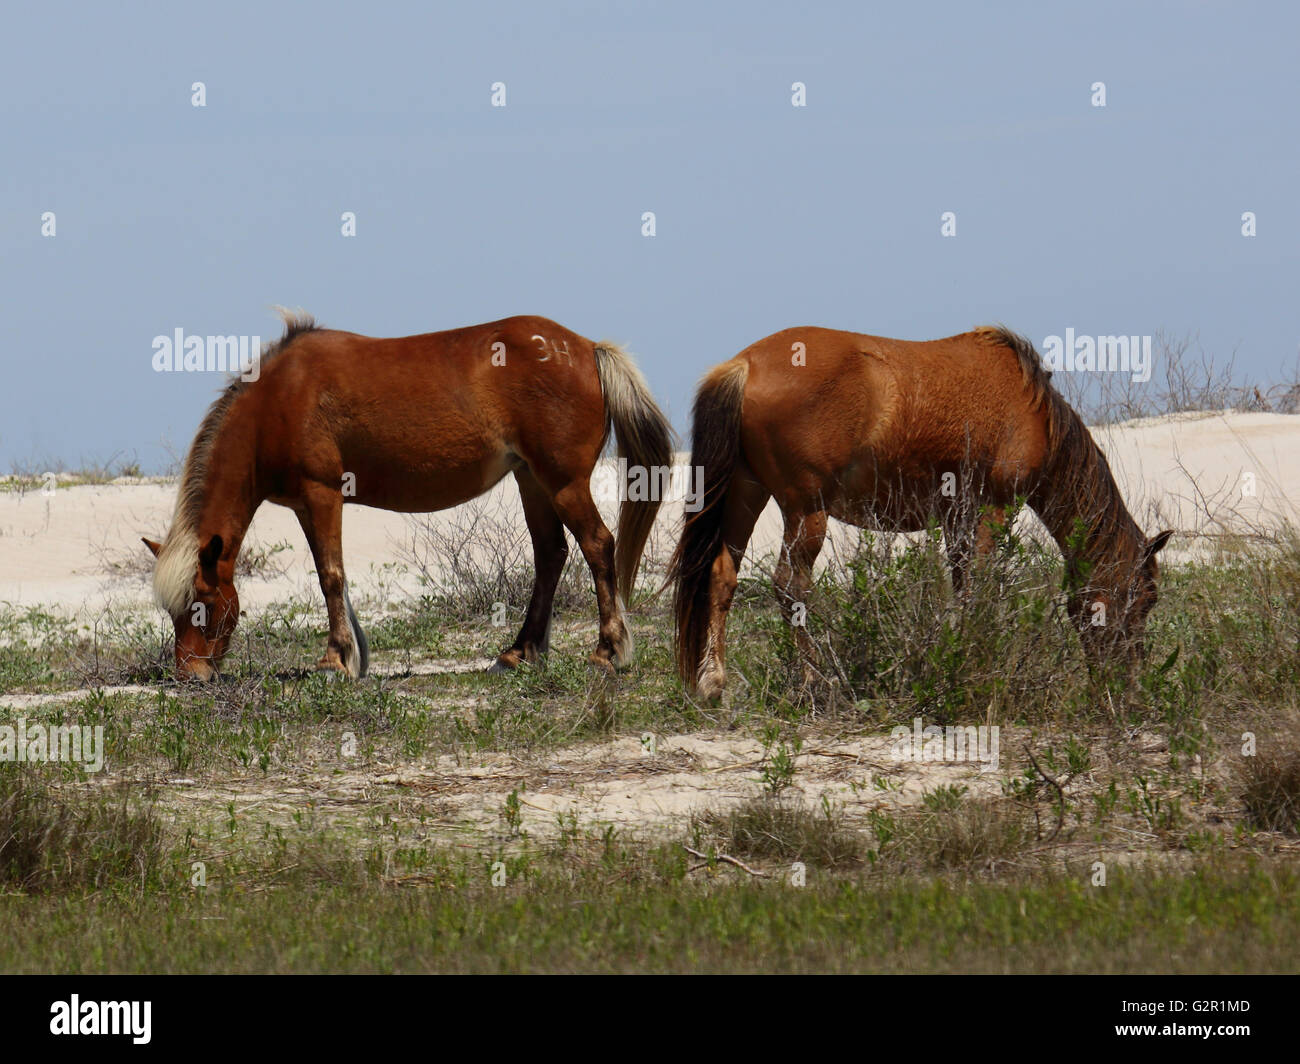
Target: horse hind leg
x: 321, y: 517
x: 576, y: 508
x: 804, y: 534
x: 745, y: 500
x: 550, y: 551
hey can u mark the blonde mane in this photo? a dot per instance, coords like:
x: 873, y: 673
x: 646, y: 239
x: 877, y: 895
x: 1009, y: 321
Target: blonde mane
x: 173, y: 576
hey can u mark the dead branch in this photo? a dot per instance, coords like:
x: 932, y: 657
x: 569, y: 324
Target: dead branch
x: 726, y: 859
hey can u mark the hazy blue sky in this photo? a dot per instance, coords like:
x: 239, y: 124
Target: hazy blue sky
x: 1123, y: 219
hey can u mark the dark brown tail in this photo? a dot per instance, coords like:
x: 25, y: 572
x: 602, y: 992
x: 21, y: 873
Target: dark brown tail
x: 715, y: 448
x: 645, y: 439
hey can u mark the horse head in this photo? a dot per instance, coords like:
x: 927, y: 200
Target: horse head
x: 1111, y: 612
x: 201, y: 600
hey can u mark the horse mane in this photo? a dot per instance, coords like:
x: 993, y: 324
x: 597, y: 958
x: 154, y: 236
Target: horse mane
x: 173, y: 577
x: 1076, y: 468
x: 1036, y: 376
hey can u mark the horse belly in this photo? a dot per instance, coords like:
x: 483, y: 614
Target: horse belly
x: 424, y: 482
x: 885, y: 499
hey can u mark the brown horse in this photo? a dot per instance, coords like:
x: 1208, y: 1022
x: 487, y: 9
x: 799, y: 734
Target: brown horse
x: 414, y: 424
x: 879, y: 433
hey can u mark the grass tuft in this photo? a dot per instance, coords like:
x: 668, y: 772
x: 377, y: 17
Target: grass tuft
x: 781, y: 829
x: 108, y: 841
x: 1270, y: 788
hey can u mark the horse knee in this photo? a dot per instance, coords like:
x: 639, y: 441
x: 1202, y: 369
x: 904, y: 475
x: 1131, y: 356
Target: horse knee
x: 331, y: 581
x: 600, y: 545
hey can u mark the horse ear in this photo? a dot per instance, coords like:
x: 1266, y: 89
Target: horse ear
x: 210, y: 552
x: 1157, y: 542
x: 153, y: 546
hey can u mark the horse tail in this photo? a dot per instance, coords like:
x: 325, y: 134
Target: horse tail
x: 645, y: 439
x: 360, y: 644
x: 715, y: 449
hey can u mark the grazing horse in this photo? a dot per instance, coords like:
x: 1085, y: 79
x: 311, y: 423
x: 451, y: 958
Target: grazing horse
x: 871, y: 431
x: 414, y: 424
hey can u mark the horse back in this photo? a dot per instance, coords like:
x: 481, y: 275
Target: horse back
x: 827, y: 408
x: 427, y: 421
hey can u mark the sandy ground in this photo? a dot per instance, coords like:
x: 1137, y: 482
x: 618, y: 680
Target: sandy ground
x: 617, y: 783
x: 78, y: 549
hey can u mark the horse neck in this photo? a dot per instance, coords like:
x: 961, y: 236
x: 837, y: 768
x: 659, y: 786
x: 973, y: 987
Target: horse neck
x: 1080, y: 503
x: 231, y: 490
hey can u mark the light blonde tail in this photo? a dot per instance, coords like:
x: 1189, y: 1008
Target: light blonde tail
x: 644, y: 439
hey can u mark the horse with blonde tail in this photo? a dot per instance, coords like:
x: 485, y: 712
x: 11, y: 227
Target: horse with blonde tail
x: 870, y: 430
x: 414, y: 424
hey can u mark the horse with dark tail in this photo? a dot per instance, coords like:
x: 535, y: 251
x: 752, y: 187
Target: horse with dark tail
x: 871, y: 431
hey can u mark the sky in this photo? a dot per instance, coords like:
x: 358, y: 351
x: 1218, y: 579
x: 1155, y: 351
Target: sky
x: 1123, y: 219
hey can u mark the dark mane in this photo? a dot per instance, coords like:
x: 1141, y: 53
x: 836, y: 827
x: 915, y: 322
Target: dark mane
x: 1037, y: 377
x: 1077, y: 468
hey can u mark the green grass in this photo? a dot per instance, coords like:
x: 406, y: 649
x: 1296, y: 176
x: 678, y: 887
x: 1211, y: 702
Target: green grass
x: 643, y: 916
x: 39, y: 651
x: 108, y: 840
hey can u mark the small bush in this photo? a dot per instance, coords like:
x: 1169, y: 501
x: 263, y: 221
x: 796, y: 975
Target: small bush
x: 784, y: 829
x: 1271, y: 789
x: 898, y: 637
x: 480, y: 558
x: 951, y: 835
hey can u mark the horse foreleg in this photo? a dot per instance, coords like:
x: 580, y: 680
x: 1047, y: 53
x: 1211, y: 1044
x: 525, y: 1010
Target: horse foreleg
x: 321, y: 517
x: 550, y: 550
x: 967, y: 545
x: 992, y: 521
x: 958, y: 547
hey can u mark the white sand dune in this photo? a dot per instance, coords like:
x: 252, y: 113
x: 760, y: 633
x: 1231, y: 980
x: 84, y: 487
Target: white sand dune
x: 78, y: 549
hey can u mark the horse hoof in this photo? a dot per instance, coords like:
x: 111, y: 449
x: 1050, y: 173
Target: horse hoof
x: 602, y: 665
x: 498, y: 667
